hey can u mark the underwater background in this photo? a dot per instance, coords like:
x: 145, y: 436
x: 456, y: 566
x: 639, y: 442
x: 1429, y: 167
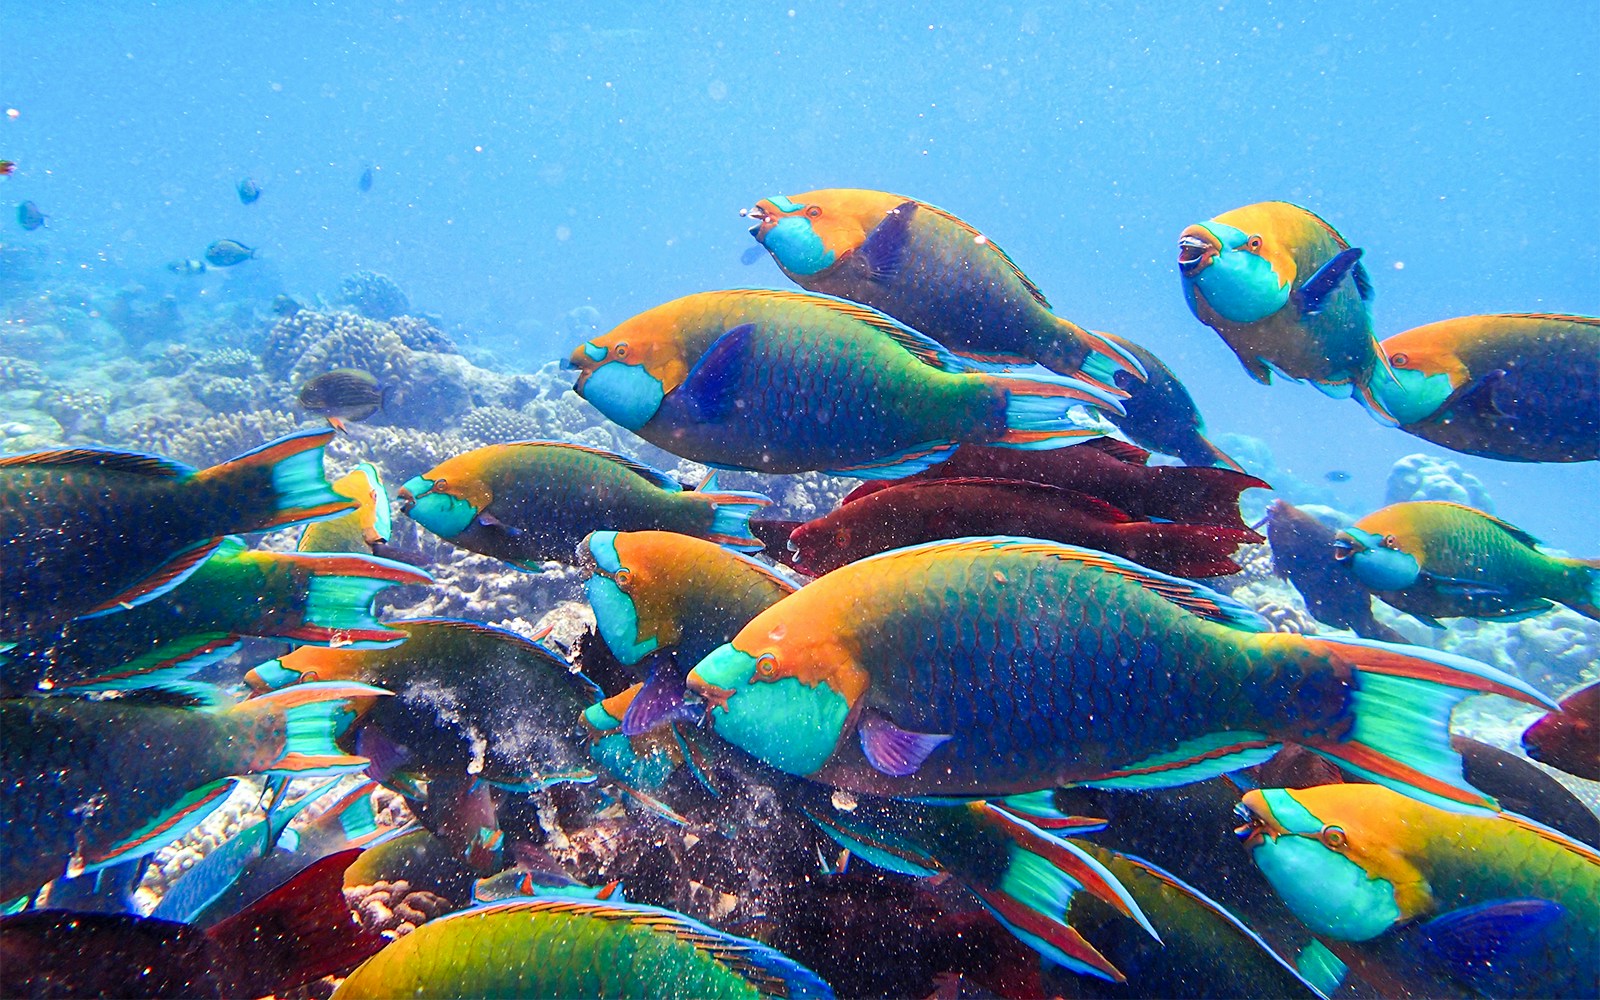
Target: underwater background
x: 452, y: 196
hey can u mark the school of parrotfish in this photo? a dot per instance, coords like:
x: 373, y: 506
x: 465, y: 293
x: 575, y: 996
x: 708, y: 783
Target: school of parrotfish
x: 989, y: 671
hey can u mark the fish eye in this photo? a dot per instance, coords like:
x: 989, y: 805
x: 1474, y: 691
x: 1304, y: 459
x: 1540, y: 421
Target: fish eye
x: 1334, y: 838
x: 767, y: 665
x: 1399, y: 358
x: 1390, y: 541
x: 622, y: 578
x: 621, y: 350
x: 814, y: 212
x: 1254, y: 243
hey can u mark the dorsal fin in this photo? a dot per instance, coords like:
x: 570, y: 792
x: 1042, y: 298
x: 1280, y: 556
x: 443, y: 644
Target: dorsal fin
x: 978, y: 237
x: 1508, y: 528
x: 1328, y: 228
x: 1077, y: 500
x: 1122, y: 451
x: 134, y: 462
x: 924, y: 348
x: 654, y: 475
x: 1550, y: 317
x: 1191, y: 597
x: 1578, y: 847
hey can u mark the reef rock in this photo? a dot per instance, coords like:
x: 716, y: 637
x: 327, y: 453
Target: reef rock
x: 1429, y: 477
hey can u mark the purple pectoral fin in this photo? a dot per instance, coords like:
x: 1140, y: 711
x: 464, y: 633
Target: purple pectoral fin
x: 660, y: 700
x: 894, y: 751
x: 885, y: 247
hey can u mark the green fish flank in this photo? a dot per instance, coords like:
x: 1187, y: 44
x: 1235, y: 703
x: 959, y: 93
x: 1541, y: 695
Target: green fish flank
x: 526, y: 948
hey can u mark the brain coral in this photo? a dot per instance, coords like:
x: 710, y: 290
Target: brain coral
x: 1428, y: 477
x: 373, y: 295
x: 309, y: 343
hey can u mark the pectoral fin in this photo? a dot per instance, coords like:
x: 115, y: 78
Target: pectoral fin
x: 884, y: 248
x: 894, y: 751
x: 1482, y: 936
x: 1313, y: 295
x: 709, y: 390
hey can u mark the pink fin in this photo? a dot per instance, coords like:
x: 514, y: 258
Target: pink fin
x: 894, y: 751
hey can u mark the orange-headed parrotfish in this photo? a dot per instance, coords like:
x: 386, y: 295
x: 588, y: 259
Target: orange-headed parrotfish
x: 1161, y: 415
x: 1289, y: 296
x: 793, y: 382
x: 932, y: 272
x: 362, y: 530
x: 930, y: 670
x: 1445, y: 903
x: 1435, y: 559
x: 1517, y: 387
x: 91, y: 530
x: 535, y: 500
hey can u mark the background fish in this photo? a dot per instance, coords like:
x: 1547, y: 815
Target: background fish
x: 249, y: 191
x: 1520, y: 387
x: 345, y: 394
x: 226, y: 253
x: 1569, y: 739
x: 932, y: 272
x: 29, y: 217
x: 536, y: 500
x: 361, y: 530
x: 1302, y: 550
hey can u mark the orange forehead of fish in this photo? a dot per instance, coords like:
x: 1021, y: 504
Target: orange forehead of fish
x: 801, y: 637
x: 841, y: 217
x: 1281, y: 228
x: 653, y: 577
x: 465, y: 477
x: 1427, y: 349
x: 655, y: 340
x: 1392, y: 521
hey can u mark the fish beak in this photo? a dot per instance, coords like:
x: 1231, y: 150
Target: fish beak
x: 765, y: 215
x: 711, y: 694
x: 1252, y: 829
x: 1345, y: 547
x: 407, y: 501
x: 583, y: 361
x: 1197, y: 248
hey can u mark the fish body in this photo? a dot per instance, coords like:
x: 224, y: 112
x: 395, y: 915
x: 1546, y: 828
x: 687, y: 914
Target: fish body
x: 1301, y: 550
x: 29, y: 217
x: 226, y: 253
x: 533, y: 501
x: 1160, y: 413
x: 7, y: 168
x: 81, y: 782
x: 1112, y: 470
x: 573, y: 948
x: 931, y: 671
x: 345, y: 394
x: 321, y: 600
x: 909, y: 513
x: 1516, y: 387
x: 1569, y: 739
x: 187, y: 267
x: 789, y: 382
x: 1287, y: 294
x: 89, y: 530
x: 1436, y: 559
x: 1495, y: 904
x: 249, y: 191
x: 360, y: 530
x: 934, y: 273
x: 364, y: 182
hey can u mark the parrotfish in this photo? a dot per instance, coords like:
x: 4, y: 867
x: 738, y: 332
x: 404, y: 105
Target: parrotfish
x: 790, y: 382
x: 931, y: 671
x: 226, y: 253
x: 1491, y: 905
x: 315, y: 599
x: 361, y: 530
x: 474, y: 708
x: 536, y: 500
x: 934, y: 273
x: 1289, y: 296
x: 670, y: 599
x: 87, y: 784
x: 1570, y: 738
x: 577, y: 948
x: 1301, y: 545
x: 1160, y: 413
x: 345, y: 394
x: 908, y: 513
x: 1520, y: 387
x: 643, y: 760
x: 1435, y: 559
x: 1112, y: 470
x: 90, y: 530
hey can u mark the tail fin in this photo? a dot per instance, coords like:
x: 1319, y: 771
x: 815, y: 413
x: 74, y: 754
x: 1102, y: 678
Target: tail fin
x: 1206, y: 454
x: 1403, y: 702
x: 730, y: 514
x: 1187, y: 550
x: 338, y: 600
x: 277, y: 484
x: 1100, y: 359
x: 315, y: 715
x: 1040, y: 410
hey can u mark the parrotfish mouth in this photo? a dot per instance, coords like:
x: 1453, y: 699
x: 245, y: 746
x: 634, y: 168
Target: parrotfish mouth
x: 764, y: 219
x: 1344, y: 548
x: 1197, y: 247
x: 712, y: 695
x: 1252, y: 829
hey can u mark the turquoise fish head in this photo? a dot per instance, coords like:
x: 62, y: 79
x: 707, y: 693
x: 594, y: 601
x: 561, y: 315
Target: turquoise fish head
x: 791, y: 725
x: 626, y: 393
x: 426, y: 502
x: 1224, y: 266
x: 1413, y: 396
x: 615, y: 615
x: 788, y: 233
x: 1301, y: 856
x: 1375, y: 560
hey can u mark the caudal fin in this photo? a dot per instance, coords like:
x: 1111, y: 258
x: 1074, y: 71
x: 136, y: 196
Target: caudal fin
x: 1090, y: 356
x: 731, y: 511
x: 1586, y: 597
x: 337, y: 609
x: 1042, y: 410
x: 1403, y: 700
x: 315, y: 715
x: 277, y: 484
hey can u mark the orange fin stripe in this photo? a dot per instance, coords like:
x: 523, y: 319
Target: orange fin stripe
x: 312, y: 762
x: 165, y: 574
x: 154, y: 833
x: 1060, y: 935
x: 1556, y: 837
x: 1092, y: 881
x: 322, y: 633
x: 1024, y: 437
x: 352, y: 565
x: 271, y: 454
x: 1397, y: 664
x: 1365, y: 757
x: 297, y: 514
x: 209, y: 646
x: 753, y: 499
x: 116, y: 461
x: 1178, y: 765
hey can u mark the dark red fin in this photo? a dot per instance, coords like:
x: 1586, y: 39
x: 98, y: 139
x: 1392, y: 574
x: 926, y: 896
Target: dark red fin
x: 299, y: 932
x: 166, y: 576
x: 1044, y: 492
x: 1122, y: 451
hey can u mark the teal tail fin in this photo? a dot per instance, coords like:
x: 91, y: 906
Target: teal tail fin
x: 731, y: 511
x: 1403, y: 702
x: 315, y: 715
x: 171, y: 824
x: 338, y: 602
x: 279, y: 483
x: 1042, y: 411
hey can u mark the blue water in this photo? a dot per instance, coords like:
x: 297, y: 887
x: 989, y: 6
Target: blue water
x: 529, y: 160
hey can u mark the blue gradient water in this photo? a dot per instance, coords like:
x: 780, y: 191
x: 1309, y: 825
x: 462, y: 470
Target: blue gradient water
x: 529, y: 159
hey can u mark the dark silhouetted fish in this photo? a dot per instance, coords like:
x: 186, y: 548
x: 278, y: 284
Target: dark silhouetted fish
x: 1569, y: 739
x: 345, y: 394
x: 7, y: 168
x: 365, y: 182
x: 249, y: 191
x: 29, y: 217
x: 1337, y: 476
x: 226, y: 253
x: 1161, y: 415
x: 1302, y: 553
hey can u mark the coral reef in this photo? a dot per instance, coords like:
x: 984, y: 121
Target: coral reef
x: 1429, y: 477
x: 231, y: 362
x: 500, y: 423
x: 373, y: 295
x: 394, y: 908
x: 309, y: 343
x: 210, y: 440
x: 80, y: 412
x: 19, y: 373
